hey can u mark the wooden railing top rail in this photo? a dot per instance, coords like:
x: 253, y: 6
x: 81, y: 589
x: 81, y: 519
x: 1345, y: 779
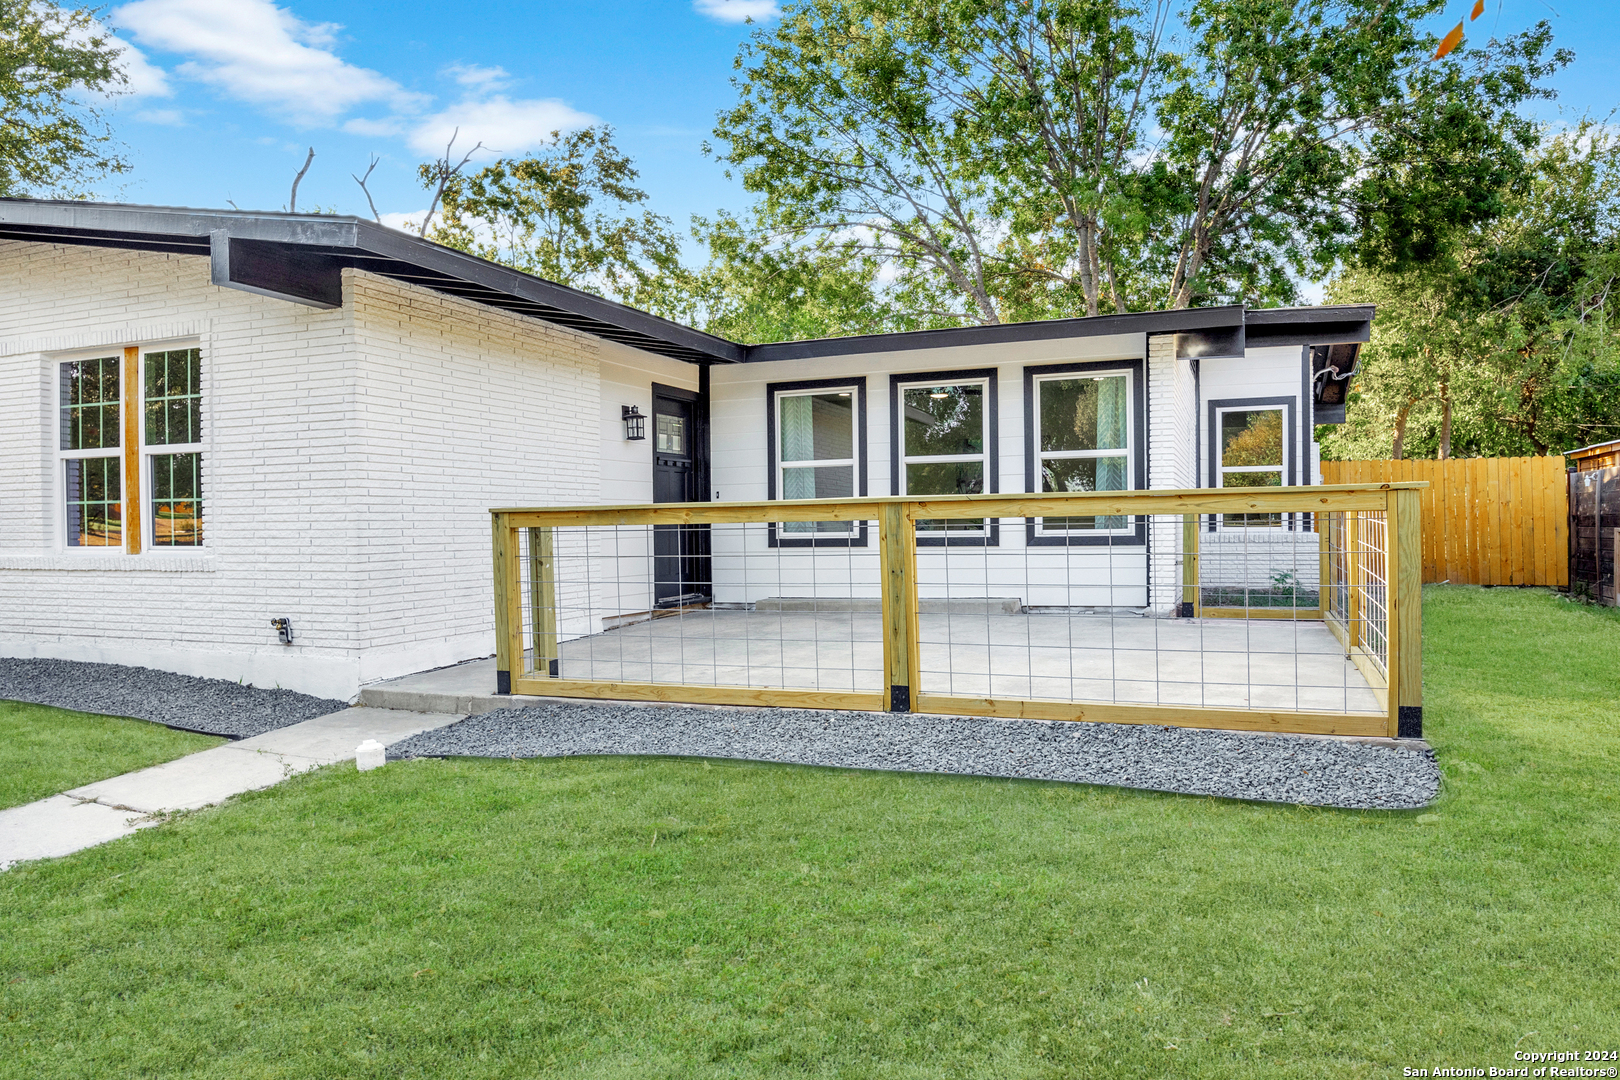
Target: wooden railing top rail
x: 1009, y: 505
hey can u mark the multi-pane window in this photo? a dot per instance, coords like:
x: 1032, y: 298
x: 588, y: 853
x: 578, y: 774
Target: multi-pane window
x: 173, y: 445
x: 91, y: 457
x: 1083, y: 441
x: 815, y: 451
x: 944, y: 445
x: 132, y: 479
x: 1251, y: 455
x: 669, y: 435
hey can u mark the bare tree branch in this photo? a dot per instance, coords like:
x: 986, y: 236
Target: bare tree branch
x: 292, y: 200
x: 361, y: 180
x: 445, y: 173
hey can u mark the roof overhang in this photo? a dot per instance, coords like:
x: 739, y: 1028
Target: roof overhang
x: 1194, y: 328
x: 301, y: 257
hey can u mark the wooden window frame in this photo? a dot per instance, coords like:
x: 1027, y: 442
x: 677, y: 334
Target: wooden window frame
x: 133, y: 452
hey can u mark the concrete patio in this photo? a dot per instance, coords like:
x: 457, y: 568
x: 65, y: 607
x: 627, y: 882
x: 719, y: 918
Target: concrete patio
x: 1093, y: 657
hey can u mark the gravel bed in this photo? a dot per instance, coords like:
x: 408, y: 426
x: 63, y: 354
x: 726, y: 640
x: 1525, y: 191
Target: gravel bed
x: 1268, y: 768
x: 209, y: 706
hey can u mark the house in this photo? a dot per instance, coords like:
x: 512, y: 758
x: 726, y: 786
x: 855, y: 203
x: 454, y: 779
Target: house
x: 1603, y: 455
x: 263, y: 446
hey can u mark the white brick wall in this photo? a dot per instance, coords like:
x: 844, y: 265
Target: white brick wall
x: 350, y: 460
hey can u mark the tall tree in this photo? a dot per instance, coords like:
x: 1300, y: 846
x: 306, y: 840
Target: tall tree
x: 572, y: 215
x: 1043, y: 157
x: 54, y: 62
x: 1507, y: 341
x: 754, y: 289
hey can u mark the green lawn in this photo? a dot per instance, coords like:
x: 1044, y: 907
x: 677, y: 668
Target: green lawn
x: 44, y: 751
x: 648, y: 918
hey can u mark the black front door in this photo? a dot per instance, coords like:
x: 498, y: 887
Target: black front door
x: 680, y: 552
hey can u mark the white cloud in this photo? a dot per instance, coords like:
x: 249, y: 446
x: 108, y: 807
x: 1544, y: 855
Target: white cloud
x: 478, y: 76
x: 166, y: 117
x: 362, y: 125
x: 142, y: 77
x: 146, y: 79
x: 502, y: 125
x: 260, y: 53
x: 405, y: 222
x: 736, y: 11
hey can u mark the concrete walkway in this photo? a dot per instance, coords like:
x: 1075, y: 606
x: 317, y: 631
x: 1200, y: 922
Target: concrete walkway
x: 109, y: 809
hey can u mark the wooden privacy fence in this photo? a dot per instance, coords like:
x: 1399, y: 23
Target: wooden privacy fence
x: 1486, y: 521
x: 1102, y: 583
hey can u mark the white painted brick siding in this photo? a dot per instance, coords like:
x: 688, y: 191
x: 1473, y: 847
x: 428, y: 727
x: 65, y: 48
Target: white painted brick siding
x: 350, y: 459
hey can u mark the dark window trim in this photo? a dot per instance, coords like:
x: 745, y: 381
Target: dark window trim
x: 992, y: 445
x: 1307, y: 415
x: 771, y: 392
x: 1290, y: 453
x: 1138, y: 418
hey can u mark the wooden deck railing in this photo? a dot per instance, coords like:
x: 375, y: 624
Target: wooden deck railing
x: 1368, y: 593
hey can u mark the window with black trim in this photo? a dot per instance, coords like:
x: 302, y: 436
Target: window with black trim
x: 1085, y: 435
x: 817, y: 451
x: 1252, y: 446
x: 944, y: 443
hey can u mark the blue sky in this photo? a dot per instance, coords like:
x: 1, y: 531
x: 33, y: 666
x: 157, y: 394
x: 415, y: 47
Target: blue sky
x: 231, y: 92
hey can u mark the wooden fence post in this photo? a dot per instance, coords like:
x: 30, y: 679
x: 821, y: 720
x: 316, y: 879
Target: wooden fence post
x: 1356, y: 572
x: 1405, y: 532
x: 543, y: 601
x: 503, y: 565
x: 1189, y: 567
x: 897, y: 552
x: 1324, y: 545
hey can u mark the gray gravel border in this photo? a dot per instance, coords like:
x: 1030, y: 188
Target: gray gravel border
x: 1235, y: 765
x: 208, y: 706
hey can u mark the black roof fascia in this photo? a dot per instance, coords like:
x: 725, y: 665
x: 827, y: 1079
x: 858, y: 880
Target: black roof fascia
x: 1136, y: 322
x: 1332, y: 325
x: 300, y: 257
x: 380, y: 240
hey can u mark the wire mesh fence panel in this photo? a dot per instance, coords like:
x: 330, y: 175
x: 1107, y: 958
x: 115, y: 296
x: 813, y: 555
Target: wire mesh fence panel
x: 737, y: 605
x: 1100, y: 616
x: 1269, y: 609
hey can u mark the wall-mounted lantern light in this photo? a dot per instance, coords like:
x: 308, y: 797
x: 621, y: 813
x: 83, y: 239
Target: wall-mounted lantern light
x: 635, y: 425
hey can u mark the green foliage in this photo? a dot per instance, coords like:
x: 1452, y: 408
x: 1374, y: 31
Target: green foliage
x: 1507, y: 341
x: 1009, y: 159
x: 52, y: 142
x: 569, y: 215
x: 609, y: 917
x: 755, y: 289
x: 45, y: 751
